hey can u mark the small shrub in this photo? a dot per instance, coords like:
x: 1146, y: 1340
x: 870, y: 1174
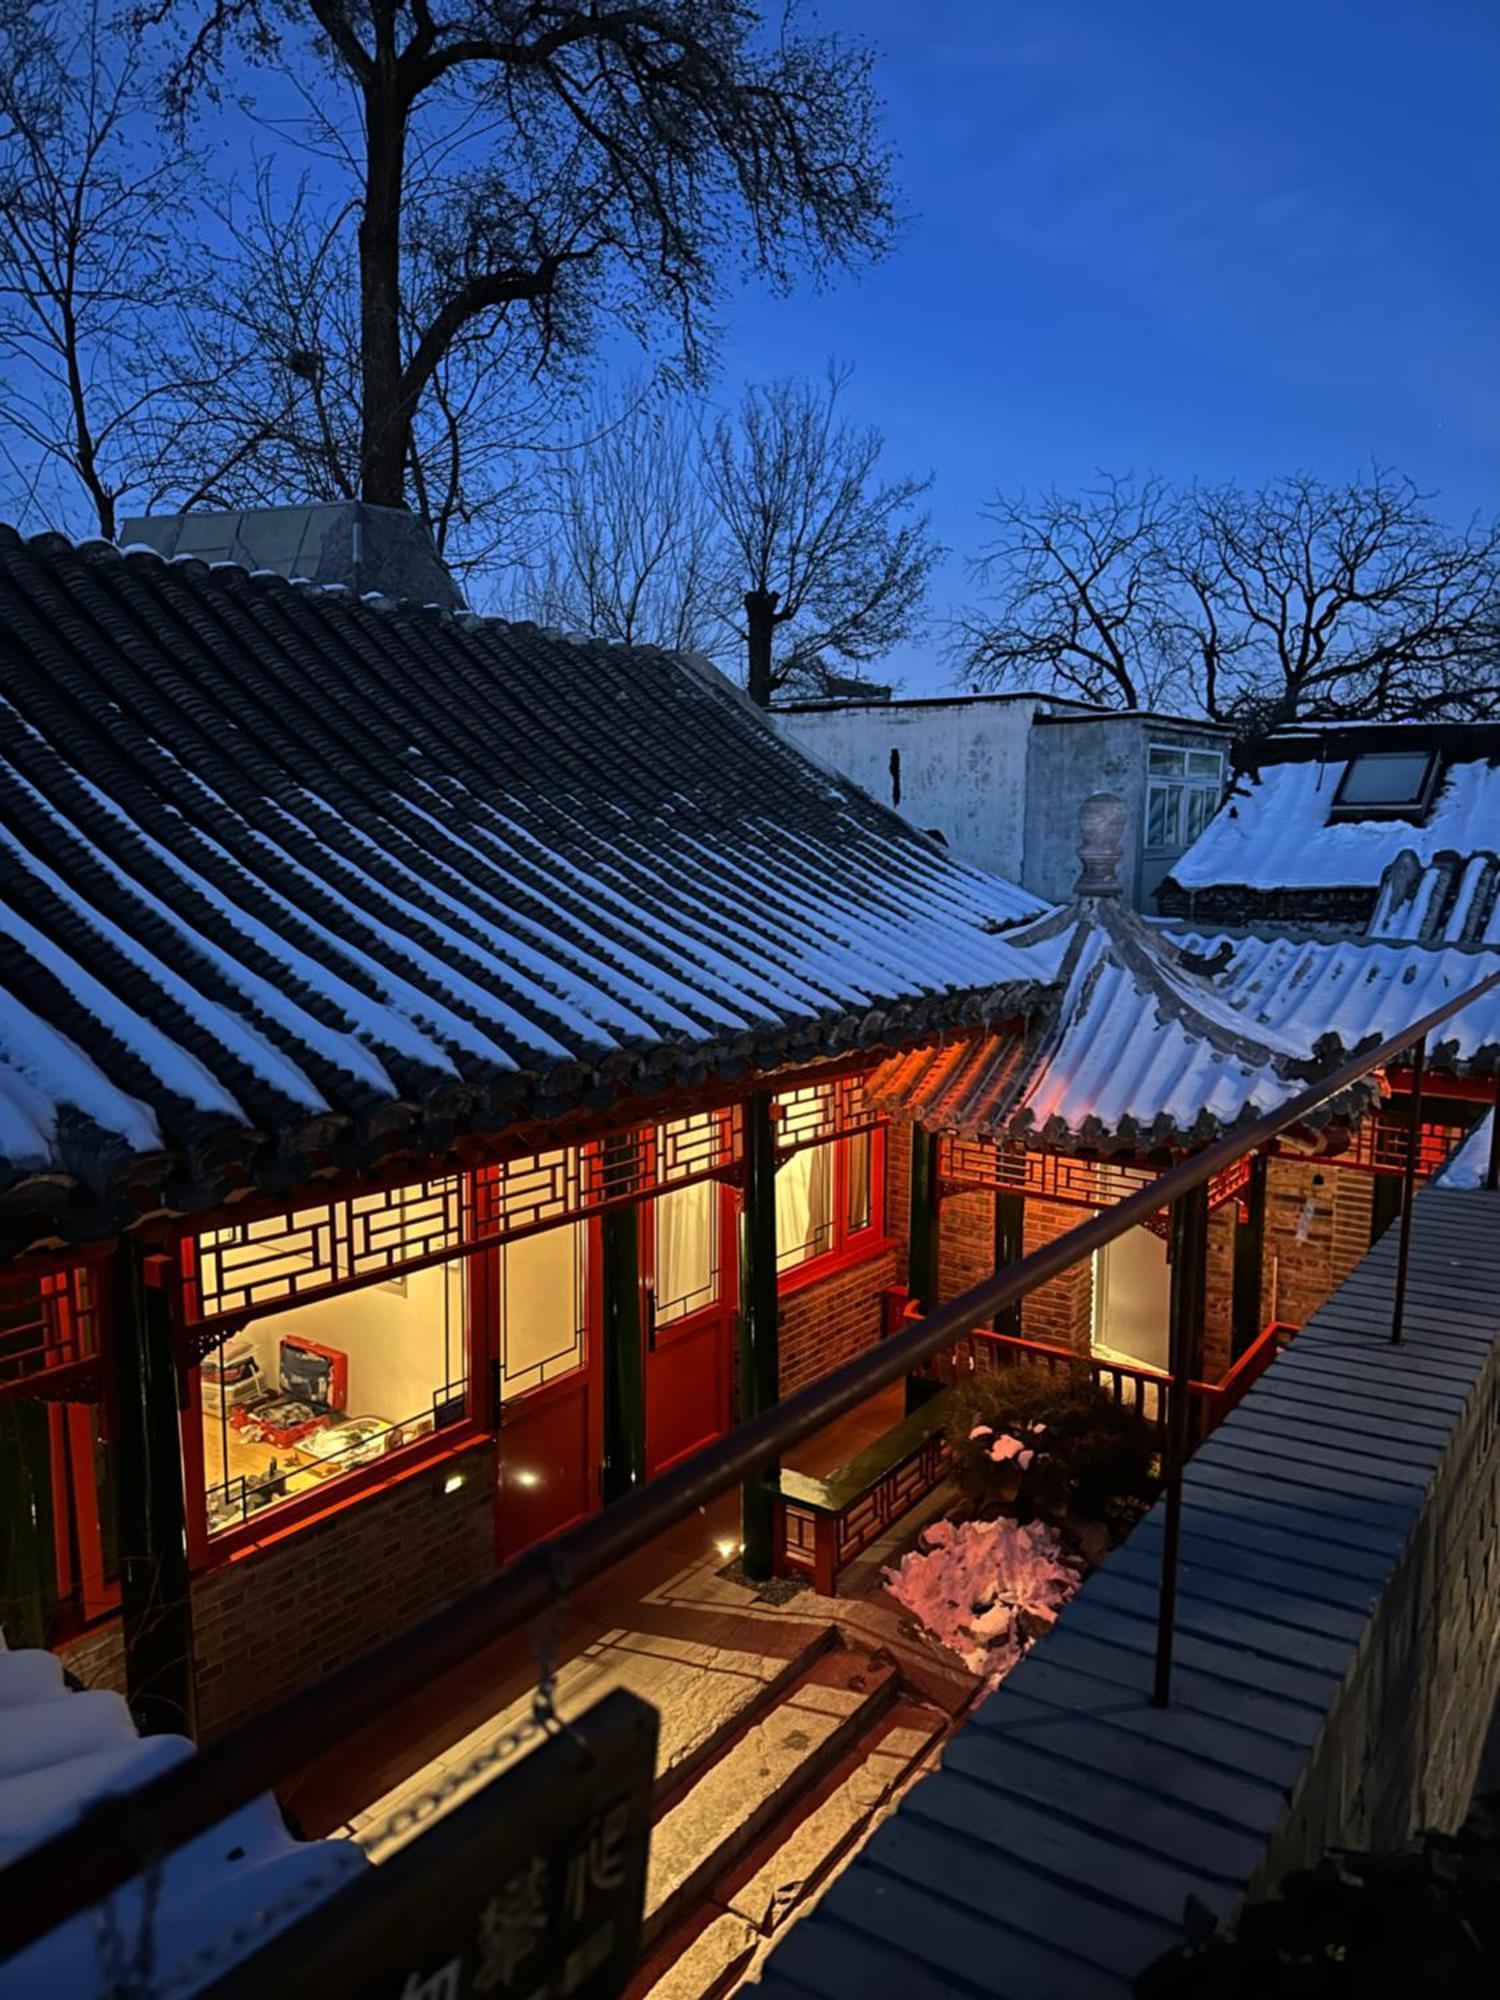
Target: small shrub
x: 1050, y: 1445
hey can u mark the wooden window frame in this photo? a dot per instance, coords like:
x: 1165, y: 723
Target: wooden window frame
x: 849, y: 1247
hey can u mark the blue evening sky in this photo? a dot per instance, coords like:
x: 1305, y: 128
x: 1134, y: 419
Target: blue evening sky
x: 1212, y: 238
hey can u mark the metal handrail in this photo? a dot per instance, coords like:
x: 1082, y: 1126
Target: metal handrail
x: 121, y: 1835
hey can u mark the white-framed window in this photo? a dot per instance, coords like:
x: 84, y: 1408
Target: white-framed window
x: 1183, y: 789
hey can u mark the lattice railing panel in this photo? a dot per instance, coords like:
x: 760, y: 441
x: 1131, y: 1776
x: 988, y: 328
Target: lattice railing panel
x: 1379, y: 1146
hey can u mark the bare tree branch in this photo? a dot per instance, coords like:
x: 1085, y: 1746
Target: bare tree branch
x: 1300, y: 602
x: 833, y: 561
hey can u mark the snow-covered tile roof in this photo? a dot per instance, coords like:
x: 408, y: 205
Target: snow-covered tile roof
x: 1453, y: 899
x: 61, y: 1751
x: 284, y: 871
x: 1273, y: 831
x: 1141, y: 1044
x: 1344, y: 995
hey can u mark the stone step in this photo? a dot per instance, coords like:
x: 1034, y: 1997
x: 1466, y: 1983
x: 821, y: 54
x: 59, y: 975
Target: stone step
x: 783, y: 1750
x: 783, y: 1875
x: 835, y: 1817
x: 704, y: 1694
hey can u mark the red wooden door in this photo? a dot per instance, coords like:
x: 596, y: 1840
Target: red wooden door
x: 549, y: 1463
x: 551, y: 1407
x: 688, y: 1259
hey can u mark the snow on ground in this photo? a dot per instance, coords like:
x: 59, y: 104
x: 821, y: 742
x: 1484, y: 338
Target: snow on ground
x: 985, y: 1589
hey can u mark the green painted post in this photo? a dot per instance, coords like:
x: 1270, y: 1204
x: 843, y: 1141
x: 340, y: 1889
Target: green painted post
x: 1249, y: 1250
x: 156, y: 1608
x: 1010, y: 1247
x: 922, y: 1233
x: 760, y: 1384
x: 624, y: 1353
x: 1189, y: 1289
x: 922, y: 1243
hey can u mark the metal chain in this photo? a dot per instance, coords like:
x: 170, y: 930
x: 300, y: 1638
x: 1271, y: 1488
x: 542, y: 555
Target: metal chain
x: 125, y: 1977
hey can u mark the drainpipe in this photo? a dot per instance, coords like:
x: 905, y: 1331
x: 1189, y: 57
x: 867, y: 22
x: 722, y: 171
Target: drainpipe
x: 760, y: 1385
x: 156, y: 1610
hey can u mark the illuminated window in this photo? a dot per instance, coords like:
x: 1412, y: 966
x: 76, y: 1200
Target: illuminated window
x: 827, y: 1200
x: 687, y: 1251
x: 305, y: 1395
x: 542, y: 1308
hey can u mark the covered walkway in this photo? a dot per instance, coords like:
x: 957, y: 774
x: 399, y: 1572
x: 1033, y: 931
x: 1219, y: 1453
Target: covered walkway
x: 1338, y: 1641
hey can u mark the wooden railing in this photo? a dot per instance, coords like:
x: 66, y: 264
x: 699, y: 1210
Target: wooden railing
x: 823, y: 1524
x: 1141, y: 1390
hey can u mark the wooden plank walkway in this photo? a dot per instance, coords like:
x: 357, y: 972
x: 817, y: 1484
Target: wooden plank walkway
x: 1051, y: 1856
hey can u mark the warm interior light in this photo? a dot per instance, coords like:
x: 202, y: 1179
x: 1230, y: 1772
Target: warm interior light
x: 727, y: 1549
x: 452, y: 1483
x: 527, y: 1479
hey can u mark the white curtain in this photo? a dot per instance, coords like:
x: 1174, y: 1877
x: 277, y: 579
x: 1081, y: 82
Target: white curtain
x: 804, y: 1206
x: 686, y: 1264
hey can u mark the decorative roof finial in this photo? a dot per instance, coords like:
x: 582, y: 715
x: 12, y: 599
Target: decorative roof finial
x: 1101, y: 844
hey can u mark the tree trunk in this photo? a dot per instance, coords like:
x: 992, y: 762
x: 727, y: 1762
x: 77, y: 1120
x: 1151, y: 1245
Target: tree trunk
x: 383, y: 421
x: 760, y: 617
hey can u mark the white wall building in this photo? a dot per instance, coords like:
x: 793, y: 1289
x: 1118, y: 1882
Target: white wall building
x: 1001, y: 777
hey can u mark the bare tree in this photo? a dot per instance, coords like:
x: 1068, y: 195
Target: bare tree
x: 1081, y: 601
x: 532, y: 171
x: 632, y: 549
x: 833, y: 561
x: 1299, y: 602
x: 104, y: 355
x: 1322, y: 603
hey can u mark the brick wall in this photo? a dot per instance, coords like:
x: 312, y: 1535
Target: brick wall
x: 966, y: 1242
x: 831, y: 1321
x: 276, y: 1621
x: 1300, y: 1270
x: 281, y: 1617
x: 1062, y: 1310
x: 1218, y: 1312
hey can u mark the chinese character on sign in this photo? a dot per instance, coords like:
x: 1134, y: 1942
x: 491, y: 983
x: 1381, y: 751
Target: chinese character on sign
x: 510, y: 1926
x: 600, y: 1862
x: 439, y: 1985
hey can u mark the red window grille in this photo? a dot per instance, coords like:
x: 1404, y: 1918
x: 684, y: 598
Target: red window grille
x: 818, y: 1112
x: 51, y: 1331
x: 1091, y: 1184
x: 1379, y: 1146
x: 317, y: 1248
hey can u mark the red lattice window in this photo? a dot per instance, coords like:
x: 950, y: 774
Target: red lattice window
x: 51, y: 1319
x: 818, y: 1112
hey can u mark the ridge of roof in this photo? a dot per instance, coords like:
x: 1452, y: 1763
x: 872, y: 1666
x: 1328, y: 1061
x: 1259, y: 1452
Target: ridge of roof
x: 299, y: 878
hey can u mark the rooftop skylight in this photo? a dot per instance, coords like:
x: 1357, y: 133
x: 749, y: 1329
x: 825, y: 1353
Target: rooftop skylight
x: 1385, y: 781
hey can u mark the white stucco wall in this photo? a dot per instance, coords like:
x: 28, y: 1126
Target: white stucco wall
x: 962, y: 767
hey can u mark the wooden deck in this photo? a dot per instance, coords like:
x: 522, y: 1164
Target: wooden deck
x: 1053, y: 1852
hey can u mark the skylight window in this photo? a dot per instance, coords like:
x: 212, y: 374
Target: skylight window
x: 1385, y: 781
